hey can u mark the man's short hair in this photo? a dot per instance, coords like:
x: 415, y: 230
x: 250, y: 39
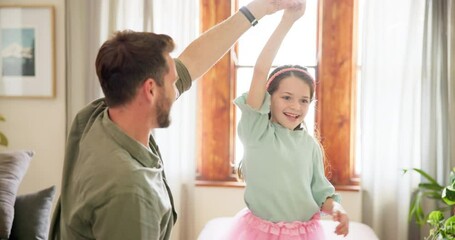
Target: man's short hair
x: 126, y: 60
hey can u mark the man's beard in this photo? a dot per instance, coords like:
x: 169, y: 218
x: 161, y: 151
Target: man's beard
x: 163, y: 112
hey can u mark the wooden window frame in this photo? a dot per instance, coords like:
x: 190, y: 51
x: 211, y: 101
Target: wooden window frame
x: 335, y: 109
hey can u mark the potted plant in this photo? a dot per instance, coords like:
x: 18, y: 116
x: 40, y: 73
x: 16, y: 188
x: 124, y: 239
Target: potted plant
x: 3, y: 139
x: 441, y: 228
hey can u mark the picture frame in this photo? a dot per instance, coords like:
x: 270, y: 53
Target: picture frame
x: 27, y: 59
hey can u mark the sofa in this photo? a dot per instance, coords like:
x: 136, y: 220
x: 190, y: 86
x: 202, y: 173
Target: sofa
x: 22, y: 217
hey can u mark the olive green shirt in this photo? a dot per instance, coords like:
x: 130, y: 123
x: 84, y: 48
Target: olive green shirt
x: 113, y: 187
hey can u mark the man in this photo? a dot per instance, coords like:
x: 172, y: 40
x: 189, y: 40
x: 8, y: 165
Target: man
x: 113, y: 184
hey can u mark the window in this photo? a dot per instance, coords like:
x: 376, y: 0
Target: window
x: 334, y: 67
x: 294, y: 50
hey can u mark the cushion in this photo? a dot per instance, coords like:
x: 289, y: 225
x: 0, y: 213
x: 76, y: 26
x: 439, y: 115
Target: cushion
x: 13, y: 166
x: 32, y: 214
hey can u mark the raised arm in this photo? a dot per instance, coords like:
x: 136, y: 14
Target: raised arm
x: 268, y: 53
x: 207, y: 49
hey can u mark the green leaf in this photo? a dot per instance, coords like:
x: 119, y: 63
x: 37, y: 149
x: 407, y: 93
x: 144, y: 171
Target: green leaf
x: 2, y: 118
x: 433, y: 194
x: 427, y: 176
x: 3, y: 140
x: 449, y: 226
x: 413, y: 206
x: 448, y: 195
x: 420, y: 216
x: 415, y: 209
x: 435, y: 218
x: 430, y: 186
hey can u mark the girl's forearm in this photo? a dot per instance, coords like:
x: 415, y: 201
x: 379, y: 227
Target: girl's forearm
x: 327, y: 206
x: 330, y: 206
x: 264, y: 62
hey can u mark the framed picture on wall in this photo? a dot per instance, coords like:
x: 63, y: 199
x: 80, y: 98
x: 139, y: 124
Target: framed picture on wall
x: 27, y: 61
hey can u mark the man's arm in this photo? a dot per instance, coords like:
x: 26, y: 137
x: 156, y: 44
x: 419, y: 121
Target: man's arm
x: 207, y: 49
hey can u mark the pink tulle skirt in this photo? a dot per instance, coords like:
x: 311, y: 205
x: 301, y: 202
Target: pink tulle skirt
x: 249, y: 227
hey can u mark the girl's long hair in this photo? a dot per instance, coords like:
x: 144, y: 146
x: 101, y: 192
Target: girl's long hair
x: 273, y: 87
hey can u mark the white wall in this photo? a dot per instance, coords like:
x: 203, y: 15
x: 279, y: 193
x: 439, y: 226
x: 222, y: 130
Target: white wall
x: 212, y: 202
x: 39, y: 124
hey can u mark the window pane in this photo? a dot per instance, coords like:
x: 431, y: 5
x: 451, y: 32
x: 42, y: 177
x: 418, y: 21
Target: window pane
x: 244, y: 76
x: 299, y: 46
x: 358, y: 167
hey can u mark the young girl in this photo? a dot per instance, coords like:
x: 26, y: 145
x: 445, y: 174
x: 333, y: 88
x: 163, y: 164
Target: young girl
x: 283, y: 168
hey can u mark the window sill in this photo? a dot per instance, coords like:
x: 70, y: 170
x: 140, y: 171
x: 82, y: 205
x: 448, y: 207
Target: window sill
x: 347, y: 188
x: 234, y: 184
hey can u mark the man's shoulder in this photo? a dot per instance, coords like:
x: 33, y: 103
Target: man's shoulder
x: 85, y: 118
x: 91, y: 110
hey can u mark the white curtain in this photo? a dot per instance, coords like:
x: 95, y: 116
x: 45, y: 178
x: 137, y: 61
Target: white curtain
x: 438, y: 88
x: 390, y: 111
x: 88, y: 24
x: 451, y: 79
x: 179, y: 19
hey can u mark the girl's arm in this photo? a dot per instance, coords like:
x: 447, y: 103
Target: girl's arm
x: 338, y: 214
x: 206, y: 50
x: 264, y: 62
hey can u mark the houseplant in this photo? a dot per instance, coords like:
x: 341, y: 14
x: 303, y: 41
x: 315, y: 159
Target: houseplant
x: 3, y: 139
x: 441, y: 228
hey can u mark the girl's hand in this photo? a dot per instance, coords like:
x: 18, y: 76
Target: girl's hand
x: 338, y: 214
x: 267, y: 7
x: 342, y: 217
x: 295, y: 12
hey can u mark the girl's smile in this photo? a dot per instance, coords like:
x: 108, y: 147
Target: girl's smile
x: 290, y: 103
